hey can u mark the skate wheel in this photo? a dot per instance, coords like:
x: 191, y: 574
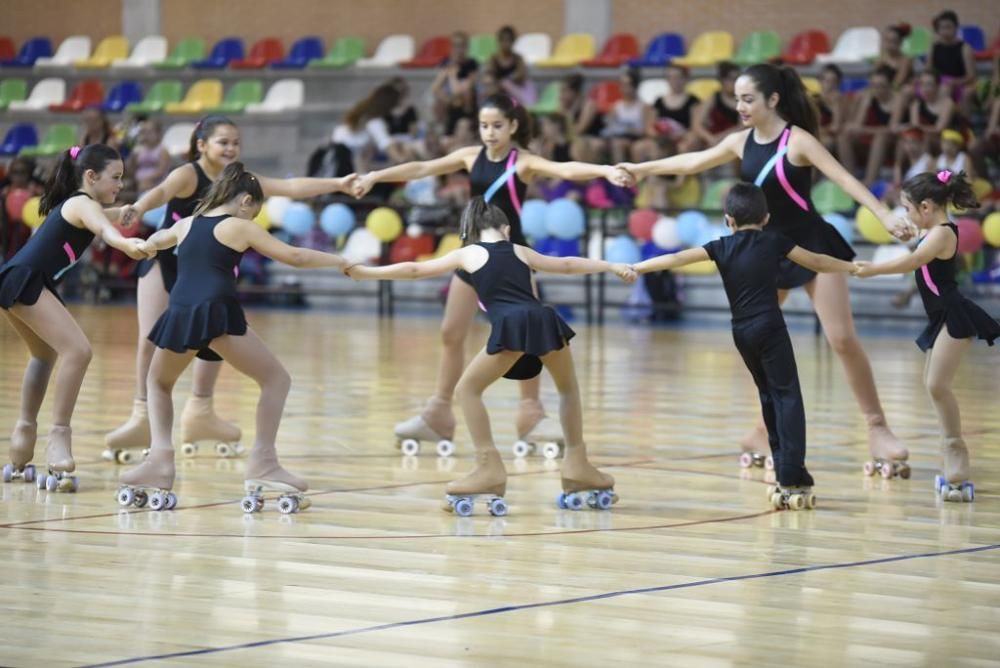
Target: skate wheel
x: 938, y: 483
x: 124, y: 457
x: 40, y: 482
x: 108, y: 455
x: 968, y: 492
x: 29, y: 473
x: 288, y: 505
x: 888, y: 470
x: 189, y: 449
x: 409, y: 447
x: 141, y: 499
x: 157, y: 501
x: 171, y: 501
x: 498, y: 507
x: 8, y: 472
x: 249, y: 504
x: 769, y: 463
x: 869, y: 468
x: 776, y: 501
x: 125, y: 497
x: 445, y: 448
x: 811, y: 501
x: 904, y: 471
x: 551, y: 450
x: 561, y: 501
x: 574, y: 501
x: 463, y: 507
x: 771, y: 489
x: 521, y: 449
x: 746, y: 460
x: 604, y: 500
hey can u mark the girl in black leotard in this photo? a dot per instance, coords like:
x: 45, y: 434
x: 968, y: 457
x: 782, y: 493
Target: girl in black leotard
x: 215, y: 143
x: 499, y: 169
x: 774, y: 104
x: 82, y: 181
x: 954, y: 320
x: 524, y: 333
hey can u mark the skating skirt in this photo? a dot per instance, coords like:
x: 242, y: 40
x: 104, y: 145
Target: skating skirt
x: 182, y: 328
x: 20, y: 284
x: 532, y: 329
x: 964, y: 320
x: 817, y: 236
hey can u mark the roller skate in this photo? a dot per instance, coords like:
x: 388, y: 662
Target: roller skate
x: 954, y: 484
x: 129, y: 442
x: 22, y: 449
x: 583, y: 484
x: 265, y: 474
x: 755, y: 449
x: 488, y: 480
x: 60, y: 463
x: 888, y: 454
x: 791, y: 498
x: 538, y: 432
x: 200, y: 425
x: 435, y: 424
x: 149, y: 482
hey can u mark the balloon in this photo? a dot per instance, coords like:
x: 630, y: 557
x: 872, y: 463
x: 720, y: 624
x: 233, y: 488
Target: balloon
x: 640, y: 224
x: 414, y: 231
x: 421, y: 191
x: 262, y: 218
x: 596, y: 248
x: 623, y: 249
x: 991, y: 229
x: 982, y: 188
x: 842, y: 225
x: 689, y: 227
x: 970, y: 235
x: 665, y: 233
x: 337, y: 219
x: 155, y: 217
x: 384, y: 223
x: 16, y: 199
x: 299, y: 219
x: 564, y: 219
x: 276, y: 207
x: 533, y: 219
x: 888, y: 253
x: 362, y: 246
x: 30, y: 214
x: 597, y: 196
x: 871, y: 228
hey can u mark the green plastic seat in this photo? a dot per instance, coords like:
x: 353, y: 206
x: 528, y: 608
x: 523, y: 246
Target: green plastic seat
x: 159, y: 96
x: 758, y: 47
x: 185, y: 52
x: 345, y: 52
x: 58, y: 138
x: 828, y: 197
x: 917, y: 43
x: 712, y: 198
x: 548, y: 101
x: 12, y: 90
x: 482, y: 47
x: 239, y: 96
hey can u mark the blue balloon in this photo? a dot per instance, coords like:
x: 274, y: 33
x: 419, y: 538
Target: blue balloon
x: 533, y: 219
x: 691, y: 226
x: 564, y: 219
x: 154, y: 217
x: 623, y: 249
x: 299, y: 219
x: 337, y: 219
x: 566, y: 247
x: 708, y: 234
x: 842, y: 225
x: 651, y: 250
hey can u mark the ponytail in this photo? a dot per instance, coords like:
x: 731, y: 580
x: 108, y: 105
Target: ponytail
x: 234, y: 181
x: 942, y: 188
x: 67, y: 176
x: 478, y: 216
x: 203, y: 131
x: 512, y: 111
x: 794, y: 103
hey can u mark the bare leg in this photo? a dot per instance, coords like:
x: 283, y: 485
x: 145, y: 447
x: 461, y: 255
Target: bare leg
x: 33, y: 387
x: 199, y: 421
x: 942, y: 363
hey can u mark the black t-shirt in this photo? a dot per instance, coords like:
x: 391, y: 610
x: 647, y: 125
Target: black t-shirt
x: 400, y: 123
x: 465, y: 68
x: 748, y: 262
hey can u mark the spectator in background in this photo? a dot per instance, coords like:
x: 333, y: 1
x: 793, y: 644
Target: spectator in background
x: 148, y: 163
x: 872, y: 130
x: 18, y: 187
x: 953, y: 156
x: 510, y: 70
x: 891, y: 55
x: 989, y: 144
x: 933, y: 110
x: 717, y: 117
x: 403, y: 124
x: 584, y: 120
x: 364, y: 131
x: 96, y: 129
x: 454, y: 87
x: 627, y: 120
x: 673, y: 114
x: 953, y: 60
x: 489, y: 86
x: 833, y: 107
x: 912, y: 158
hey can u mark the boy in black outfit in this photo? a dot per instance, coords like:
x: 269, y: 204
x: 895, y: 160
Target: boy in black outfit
x: 748, y: 262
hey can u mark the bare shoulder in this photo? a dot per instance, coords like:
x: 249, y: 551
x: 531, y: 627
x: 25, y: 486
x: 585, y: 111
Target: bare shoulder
x: 735, y: 142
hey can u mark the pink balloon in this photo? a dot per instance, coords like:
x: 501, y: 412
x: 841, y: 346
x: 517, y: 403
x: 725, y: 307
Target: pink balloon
x: 16, y: 198
x: 640, y: 224
x: 970, y: 235
x: 597, y: 197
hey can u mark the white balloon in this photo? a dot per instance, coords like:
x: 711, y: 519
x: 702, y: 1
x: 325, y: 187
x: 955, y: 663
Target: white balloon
x: 414, y: 231
x: 888, y: 253
x: 276, y: 207
x: 362, y: 246
x: 595, y: 246
x: 665, y: 233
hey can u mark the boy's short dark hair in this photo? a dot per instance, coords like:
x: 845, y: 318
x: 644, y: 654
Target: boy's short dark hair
x: 746, y: 204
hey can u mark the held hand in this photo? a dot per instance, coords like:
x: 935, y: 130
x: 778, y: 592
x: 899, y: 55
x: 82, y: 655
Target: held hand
x: 903, y: 230
x: 347, y: 184
x: 129, y: 215
x: 625, y: 272
x: 862, y: 269
x: 628, y: 171
x: 621, y: 178
x: 137, y: 249
x: 361, y: 186
x: 353, y: 270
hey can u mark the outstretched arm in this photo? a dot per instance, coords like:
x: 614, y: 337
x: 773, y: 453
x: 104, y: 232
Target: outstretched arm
x: 689, y: 163
x: 667, y: 262
x: 410, y: 270
x: 573, y: 265
x: 303, y: 187
x: 938, y: 242
x: 93, y: 218
x: 575, y: 171
x: 168, y: 238
x: 181, y: 180
x: 261, y: 241
x: 408, y: 171
x: 820, y: 263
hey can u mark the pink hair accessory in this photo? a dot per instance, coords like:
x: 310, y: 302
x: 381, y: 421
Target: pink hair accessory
x: 74, y: 151
x: 943, y: 176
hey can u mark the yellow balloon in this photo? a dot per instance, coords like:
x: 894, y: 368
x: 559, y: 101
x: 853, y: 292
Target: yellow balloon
x: 30, y: 214
x: 870, y: 227
x: 982, y: 188
x: 385, y: 224
x: 687, y: 196
x: 991, y: 229
x: 263, y: 218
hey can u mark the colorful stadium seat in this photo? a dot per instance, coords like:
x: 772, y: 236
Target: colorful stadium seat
x: 661, y: 50
x: 108, y: 50
x: 708, y: 49
x: 618, y: 50
x: 571, y: 50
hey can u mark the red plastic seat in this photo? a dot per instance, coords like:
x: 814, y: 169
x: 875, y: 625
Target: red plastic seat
x: 990, y: 51
x: 7, y: 50
x: 87, y: 93
x: 264, y: 52
x: 434, y: 52
x: 805, y: 46
x: 618, y: 50
x: 605, y: 94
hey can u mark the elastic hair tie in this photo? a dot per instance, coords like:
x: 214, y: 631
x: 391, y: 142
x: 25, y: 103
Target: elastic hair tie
x: 943, y: 176
x: 73, y: 152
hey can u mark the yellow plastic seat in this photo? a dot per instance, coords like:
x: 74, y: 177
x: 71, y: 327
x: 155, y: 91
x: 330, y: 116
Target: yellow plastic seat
x: 571, y: 50
x: 108, y: 50
x: 708, y: 49
x: 703, y: 89
x: 203, y: 95
x: 812, y: 85
x: 687, y: 195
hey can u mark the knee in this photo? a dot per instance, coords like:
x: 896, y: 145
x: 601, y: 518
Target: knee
x: 465, y: 391
x: 937, y: 390
x: 843, y: 343
x: 79, y: 353
x: 453, y: 335
x: 279, y: 380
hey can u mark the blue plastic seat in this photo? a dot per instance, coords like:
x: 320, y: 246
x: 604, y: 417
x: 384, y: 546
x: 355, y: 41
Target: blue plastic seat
x: 18, y: 137
x: 122, y: 95
x: 974, y: 36
x: 661, y: 50
x: 32, y: 50
x: 224, y: 51
x: 303, y: 51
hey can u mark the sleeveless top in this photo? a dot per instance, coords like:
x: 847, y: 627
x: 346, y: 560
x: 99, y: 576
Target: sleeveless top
x: 721, y: 117
x: 947, y: 60
x: 875, y: 115
x: 206, y: 266
x: 509, y: 196
x: 682, y: 114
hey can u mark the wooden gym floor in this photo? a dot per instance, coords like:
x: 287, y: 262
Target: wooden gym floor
x: 691, y: 567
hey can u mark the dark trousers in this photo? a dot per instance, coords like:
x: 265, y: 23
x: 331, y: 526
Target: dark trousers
x: 767, y: 351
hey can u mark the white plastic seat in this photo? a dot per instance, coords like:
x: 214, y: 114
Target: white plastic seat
x: 651, y: 90
x: 150, y: 50
x: 533, y: 47
x: 46, y: 92
x: 854, y: 45
x: 393, y: 50
x: 177, y: 138
x: 283, y: 95
x: 72, y: 49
